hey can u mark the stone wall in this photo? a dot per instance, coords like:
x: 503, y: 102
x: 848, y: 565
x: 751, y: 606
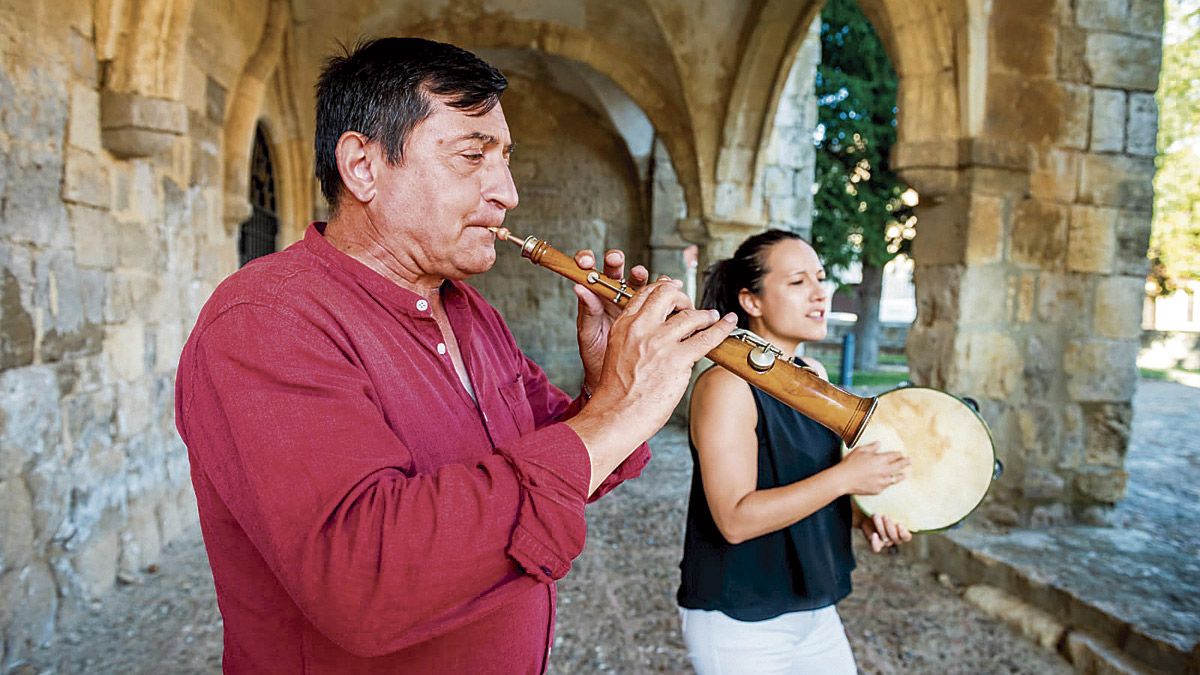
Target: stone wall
x: 791, y: 156
x: 105, y: 258
x: 1031, y: 253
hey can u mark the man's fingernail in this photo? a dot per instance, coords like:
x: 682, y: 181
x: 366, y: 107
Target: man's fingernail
x: 714, y: 314
x: 730, y: 317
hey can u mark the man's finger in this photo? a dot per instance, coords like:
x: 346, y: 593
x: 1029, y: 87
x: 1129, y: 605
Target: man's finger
x: 665, y: 298
x: 585, y: 259
x: 638, y: 276
x: 640, y: 299
x: 591, y: 304
x: 614, y: 264
x: 706, y: 340
x: 683, y: 324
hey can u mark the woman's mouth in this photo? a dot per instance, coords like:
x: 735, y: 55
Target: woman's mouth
x: 816, y: 314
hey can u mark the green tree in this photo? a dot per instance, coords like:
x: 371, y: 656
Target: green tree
x: 858, y: 212
x: 1175, y: 239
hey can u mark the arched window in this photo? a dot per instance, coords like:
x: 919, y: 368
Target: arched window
x: 256, y: 236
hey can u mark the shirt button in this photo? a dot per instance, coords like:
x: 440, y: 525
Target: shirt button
x: 441, y: 348
x: 422, y: 304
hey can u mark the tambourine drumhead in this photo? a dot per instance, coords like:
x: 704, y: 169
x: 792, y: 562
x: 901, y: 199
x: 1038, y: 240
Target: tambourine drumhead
x: 952, y: 458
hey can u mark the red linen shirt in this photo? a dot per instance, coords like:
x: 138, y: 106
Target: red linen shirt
x: 361, y: 512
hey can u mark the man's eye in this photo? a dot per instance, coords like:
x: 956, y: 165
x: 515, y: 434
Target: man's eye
x: 473, y: 157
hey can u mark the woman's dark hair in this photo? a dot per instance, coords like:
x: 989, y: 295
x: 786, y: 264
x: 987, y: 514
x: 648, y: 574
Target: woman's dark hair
x: 382, y: 89
x: 727, y: 278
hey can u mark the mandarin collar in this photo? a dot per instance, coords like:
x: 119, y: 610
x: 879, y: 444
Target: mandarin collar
x: 380, y: 287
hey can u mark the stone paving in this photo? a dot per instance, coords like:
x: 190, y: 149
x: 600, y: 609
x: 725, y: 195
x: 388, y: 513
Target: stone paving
x: 1133, y: 582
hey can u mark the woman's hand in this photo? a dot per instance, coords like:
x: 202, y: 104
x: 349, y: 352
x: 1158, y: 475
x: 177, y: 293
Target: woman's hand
x: 866, y: 471
x: 882, y: 532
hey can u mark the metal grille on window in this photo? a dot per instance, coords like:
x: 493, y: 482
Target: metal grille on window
x: 256, y: 236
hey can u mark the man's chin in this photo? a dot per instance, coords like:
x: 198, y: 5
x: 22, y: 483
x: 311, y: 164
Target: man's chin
x: 478, y: 265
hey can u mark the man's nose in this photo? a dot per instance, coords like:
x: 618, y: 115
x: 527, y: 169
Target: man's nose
x: 499, y: 188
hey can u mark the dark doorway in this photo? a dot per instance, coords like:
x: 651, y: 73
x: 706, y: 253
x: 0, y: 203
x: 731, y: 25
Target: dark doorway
x: 257, y: 235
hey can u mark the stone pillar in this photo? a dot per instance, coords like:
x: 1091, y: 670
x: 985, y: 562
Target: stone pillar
x: 790, y: 159
x: 1031, y: 251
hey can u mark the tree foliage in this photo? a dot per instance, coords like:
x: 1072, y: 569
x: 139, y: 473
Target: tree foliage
x: 858, y: 213
x: 1175, y: 240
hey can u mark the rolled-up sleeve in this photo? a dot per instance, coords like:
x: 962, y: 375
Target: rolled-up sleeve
x: 550, y: 404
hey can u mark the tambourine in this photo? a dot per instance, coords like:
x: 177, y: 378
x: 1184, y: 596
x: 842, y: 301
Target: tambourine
x: 952, y: 453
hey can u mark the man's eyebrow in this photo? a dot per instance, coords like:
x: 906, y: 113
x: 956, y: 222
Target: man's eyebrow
x: 487, y: 139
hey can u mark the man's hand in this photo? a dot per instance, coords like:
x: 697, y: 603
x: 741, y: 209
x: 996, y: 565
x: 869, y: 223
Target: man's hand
x: 595, y: 318
x: 652, y: 347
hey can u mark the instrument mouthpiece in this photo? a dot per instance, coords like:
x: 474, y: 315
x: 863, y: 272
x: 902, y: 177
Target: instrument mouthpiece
x: 503, y: 234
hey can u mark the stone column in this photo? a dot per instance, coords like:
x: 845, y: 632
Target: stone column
x: 1031, y: 254
x: 790, y: 159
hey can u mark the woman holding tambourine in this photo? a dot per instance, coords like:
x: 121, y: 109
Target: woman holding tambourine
x: 767, y: 553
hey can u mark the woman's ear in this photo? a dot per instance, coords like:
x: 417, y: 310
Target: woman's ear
x: 355, y: 164
x: 749, y: 302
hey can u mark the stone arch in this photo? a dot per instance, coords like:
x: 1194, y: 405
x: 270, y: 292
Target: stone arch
x: 671, y: 121
x: 143, y: 42
x: 932, y: 45
x: 244, y: 111
x: 774, y: 40
x: 923, y: 41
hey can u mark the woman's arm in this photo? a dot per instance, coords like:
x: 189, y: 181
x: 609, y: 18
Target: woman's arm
x: 723, y: 420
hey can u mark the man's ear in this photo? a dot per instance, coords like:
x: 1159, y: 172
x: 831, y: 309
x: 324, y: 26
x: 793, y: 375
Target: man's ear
x: 749, y: 303
x: 355, y: 163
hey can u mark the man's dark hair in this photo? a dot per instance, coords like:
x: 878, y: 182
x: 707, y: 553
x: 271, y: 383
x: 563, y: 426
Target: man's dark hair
x: 382, y: 89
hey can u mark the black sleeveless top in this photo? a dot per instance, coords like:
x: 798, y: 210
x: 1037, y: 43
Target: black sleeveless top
x: 804, y: 566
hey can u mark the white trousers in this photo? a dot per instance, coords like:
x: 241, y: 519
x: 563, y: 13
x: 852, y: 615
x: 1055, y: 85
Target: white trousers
x: 795, y: 643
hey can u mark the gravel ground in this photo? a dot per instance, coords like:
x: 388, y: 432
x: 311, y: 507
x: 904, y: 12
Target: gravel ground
x: 617, y: 611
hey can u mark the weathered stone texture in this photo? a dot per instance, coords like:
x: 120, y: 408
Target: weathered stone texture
x: 1117, y: 180
x: 1142, y: 131
x: 1092, y: 239
x: 1039, y: 234
x: 1106, y: 15
x: 1108, y: 121
x: 986, y: 232
x: 1101, y: 370
x: 1106, y: 431
x: 1118, y: 310
x: 1123, y: 61
x: 1133, y: 239
x: 1055, y: 175
x: 990, y: 365
x: 789, y: 172
x: 86, y: 180
x: 1101, y: 484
